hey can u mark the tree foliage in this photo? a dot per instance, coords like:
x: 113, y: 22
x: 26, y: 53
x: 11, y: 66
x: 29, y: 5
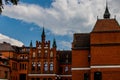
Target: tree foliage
x: 14, y: 2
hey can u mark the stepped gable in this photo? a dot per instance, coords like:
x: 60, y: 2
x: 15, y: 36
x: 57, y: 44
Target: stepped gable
x: 106, y: 25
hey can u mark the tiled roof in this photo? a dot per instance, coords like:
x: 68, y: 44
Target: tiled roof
x: 6, y: 47
x: 81, y: 41
x: 106, y: 25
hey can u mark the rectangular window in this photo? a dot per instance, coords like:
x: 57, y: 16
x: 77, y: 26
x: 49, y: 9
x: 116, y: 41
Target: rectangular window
x: 85, y: 76
x: 97, y: 75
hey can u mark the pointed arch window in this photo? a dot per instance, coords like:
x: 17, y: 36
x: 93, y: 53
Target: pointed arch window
x: 39, y: 66
x: 51, y: 54
x: 33, y: 66
x: 46, y: 66
x: 33, y: 55
x: 46, y: 53
x: 51, y: 66
x: 39, y: 53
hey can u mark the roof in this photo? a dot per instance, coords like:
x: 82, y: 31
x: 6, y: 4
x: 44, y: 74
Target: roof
x: 65, y: 55
x: 81, y: 41
x: 106, y: 25
x: 6, y: 47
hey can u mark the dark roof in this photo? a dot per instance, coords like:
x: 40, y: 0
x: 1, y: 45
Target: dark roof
x: 6, y: 47
x: 65, y: 55
x: 81, y: 41
x: 106, y: 25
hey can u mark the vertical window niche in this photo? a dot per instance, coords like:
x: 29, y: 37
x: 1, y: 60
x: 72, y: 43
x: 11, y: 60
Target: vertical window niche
x: 51, y: 66
x: 46, y: 53
x: 33, y: 66
x: 45, y: 66
x: 39, y: 53
x: 38, y: 66
x: 33, y: 55
x: 51, y: 54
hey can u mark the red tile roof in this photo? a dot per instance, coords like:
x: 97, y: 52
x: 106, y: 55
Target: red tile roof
x: 106, y: 25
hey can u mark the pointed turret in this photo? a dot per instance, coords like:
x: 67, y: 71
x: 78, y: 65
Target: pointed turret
x: 31, y: 45
x: 43, y: 35
x: 54, y: 43
x: 107, y: 13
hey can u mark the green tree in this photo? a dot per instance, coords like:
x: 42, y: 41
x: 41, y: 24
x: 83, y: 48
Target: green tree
x: 14, y: 2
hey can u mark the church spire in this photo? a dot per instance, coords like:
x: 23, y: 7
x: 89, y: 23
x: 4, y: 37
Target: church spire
x: 107, y: 13
x: 31, y: 45
x: 54, y: 43
x: 43, y: 35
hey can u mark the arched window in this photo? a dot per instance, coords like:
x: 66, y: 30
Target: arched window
x: 33, y: 66
x: 33, y: 55
x: 38, y: 66
x: 51, y: 54
x: 45, y: 66
x: 51, y: 66
x: 39, y: 53
x: 21, y: 57
x: 46, y: 53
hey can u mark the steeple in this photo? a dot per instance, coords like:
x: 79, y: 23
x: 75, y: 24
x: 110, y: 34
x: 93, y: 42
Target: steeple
x: 43, y: 35
x: 31, y: 45
x: 54, y: 43
x: 107, y: 13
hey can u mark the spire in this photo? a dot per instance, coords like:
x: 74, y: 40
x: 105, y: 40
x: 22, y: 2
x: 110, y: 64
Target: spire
x: 43, y: 35
x: 31, y: 45
x: 54, y: 43
x: 106, y: 14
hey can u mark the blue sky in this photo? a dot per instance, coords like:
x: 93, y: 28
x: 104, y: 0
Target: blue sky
x: 60, y: 18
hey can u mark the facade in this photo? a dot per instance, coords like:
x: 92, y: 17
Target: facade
x: 36, y: 63
x: 4, y: 68
x: 96, y: 55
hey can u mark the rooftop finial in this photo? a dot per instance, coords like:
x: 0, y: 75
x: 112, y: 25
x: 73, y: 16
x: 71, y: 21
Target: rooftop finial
x: 54, y: 43
x: 106, y: 14
x: 43, y: 35
x: 31, y: 45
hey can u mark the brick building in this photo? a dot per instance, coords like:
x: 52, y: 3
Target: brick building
x: 96, y: 55
x: 4, y: 68
x: 41, y: 62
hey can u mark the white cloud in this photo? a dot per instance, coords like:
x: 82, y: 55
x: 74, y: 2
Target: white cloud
x: 65, y: 45
x: 64, y: 17
x: 4, y: 38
